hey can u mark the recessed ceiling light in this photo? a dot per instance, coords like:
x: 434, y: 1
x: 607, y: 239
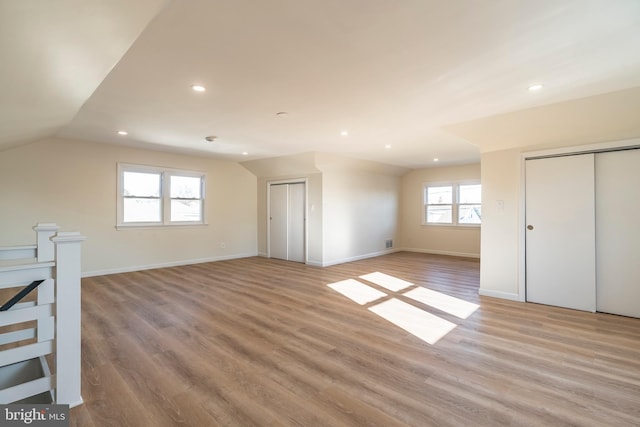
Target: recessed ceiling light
x: 281, y: 114
x: 535, y: 87
x: 210, y: 138
x: 123, y: 132
x: 244, y: 153
x: 344, y: 133
x: 435, y: 159
x: 387, y: 146
x: 198, y: 88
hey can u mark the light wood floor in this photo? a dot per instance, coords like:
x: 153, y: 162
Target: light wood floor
x: 260, y: 342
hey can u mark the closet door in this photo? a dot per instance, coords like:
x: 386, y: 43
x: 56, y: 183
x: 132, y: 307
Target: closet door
x: 278, y: 221
x: 560, y: 235
x: 618, y: 232
x: 296, y: 222
x: 287, y: 221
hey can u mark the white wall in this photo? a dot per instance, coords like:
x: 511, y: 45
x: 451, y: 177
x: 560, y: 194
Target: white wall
x: 352, y: 204
x: 360, y: 211
x: 460, y: 241
x: 73, y: 183
x: 501, y: 195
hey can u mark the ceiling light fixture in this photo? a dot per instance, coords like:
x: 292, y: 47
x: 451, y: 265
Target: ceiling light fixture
x: 344, y: 133
x: 387, y: 146
x: 210, y: 138
x: 244, y: 153
x: 435, y: 159
x: 123, y: 132
x: 535, y: 87
x: 198, y: 88
x: 281, y: 114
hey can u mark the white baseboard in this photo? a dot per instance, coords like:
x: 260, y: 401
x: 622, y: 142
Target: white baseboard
x: 385, y: 252
x: 436, y: 252
x: 309, y: 262
x: 129, y: 269
x: 499, y: 294
x: 359, y: 257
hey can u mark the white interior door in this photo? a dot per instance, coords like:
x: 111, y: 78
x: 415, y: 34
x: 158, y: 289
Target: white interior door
x: 618, y: 232
x: 287, y: 221
x: 560, y: 235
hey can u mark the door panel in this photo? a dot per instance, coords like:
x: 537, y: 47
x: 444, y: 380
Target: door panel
x: 618, y: 232
x: 296, y: 222
x: 560, y: 235
x: 278, y: 212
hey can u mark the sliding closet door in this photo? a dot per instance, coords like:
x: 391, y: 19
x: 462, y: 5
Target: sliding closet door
x: 278, y: 220
x: 287, y: 221
x: 296, y: 222
x: 618, y: 232
x: 560, y: 235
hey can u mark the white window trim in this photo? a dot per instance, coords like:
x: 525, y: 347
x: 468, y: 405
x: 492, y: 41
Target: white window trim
x: 454, y: 205
x: 165, y: 196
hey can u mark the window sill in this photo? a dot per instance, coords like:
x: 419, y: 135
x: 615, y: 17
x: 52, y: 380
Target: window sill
x: 457, y: 226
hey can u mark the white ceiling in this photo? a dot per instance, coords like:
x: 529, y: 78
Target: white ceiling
x: 54, y: 54
x: 431, y: 78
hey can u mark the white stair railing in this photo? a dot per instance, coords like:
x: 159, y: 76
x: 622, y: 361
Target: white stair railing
x: 54, y: 260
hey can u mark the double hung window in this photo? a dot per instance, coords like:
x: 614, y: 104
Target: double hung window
x: 453, y: 204
x: 153, y: 196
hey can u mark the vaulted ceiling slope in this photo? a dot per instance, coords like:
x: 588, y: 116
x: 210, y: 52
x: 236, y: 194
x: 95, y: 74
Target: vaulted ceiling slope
x: 408, y: 81
x: 55, y: 54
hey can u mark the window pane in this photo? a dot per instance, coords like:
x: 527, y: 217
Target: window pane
x: 186, y: 210
x: 470, y: 193
x: 469, y: 214
x: 185, y: 187
x: 439, y: 214
x: 440, y: 195
x: 141, y: 184
x: 141, y: 210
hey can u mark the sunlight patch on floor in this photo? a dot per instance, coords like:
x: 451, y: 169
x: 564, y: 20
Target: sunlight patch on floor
x: 357, y: 291
x: 424, y: 325
x: 388, y: 282
x: 415, y: 320
x: 452, y: 305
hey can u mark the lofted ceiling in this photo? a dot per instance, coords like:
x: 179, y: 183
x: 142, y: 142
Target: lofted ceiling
x: 409, y: 80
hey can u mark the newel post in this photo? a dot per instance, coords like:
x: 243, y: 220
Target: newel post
x: 68, y: 247
x: 45, y: 250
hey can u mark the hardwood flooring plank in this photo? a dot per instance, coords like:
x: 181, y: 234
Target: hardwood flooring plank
x: 265, y: 342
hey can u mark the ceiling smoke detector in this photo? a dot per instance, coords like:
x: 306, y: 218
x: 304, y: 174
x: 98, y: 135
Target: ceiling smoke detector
x: 211, y: 138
